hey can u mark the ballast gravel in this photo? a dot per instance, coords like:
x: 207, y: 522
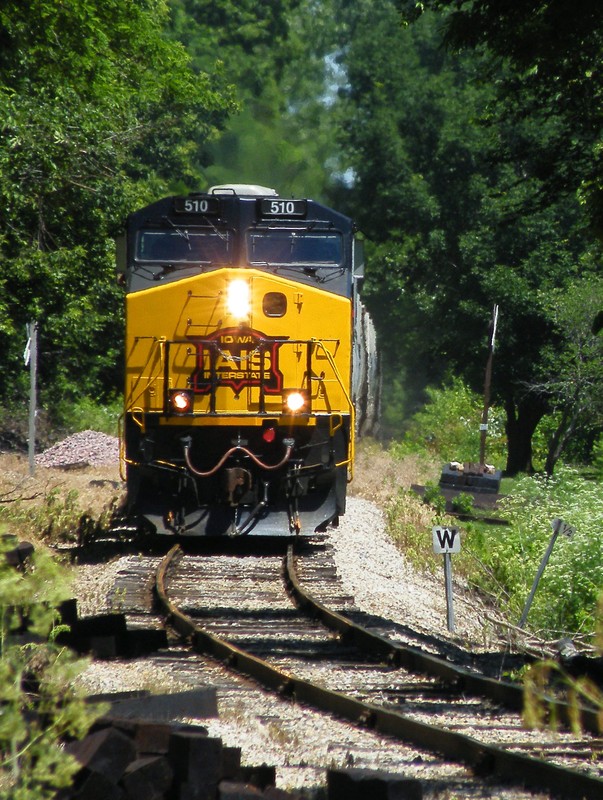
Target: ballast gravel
x: 81, y: 449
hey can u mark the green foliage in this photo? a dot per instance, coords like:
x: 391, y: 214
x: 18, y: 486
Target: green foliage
x: 538, y: 712
x: 433, y: 496
x: 571, y: 371
x: 98, y: 111
x: 463, y: 503
x: 40, y: 707
x: 567, y: 595
x: 597, y: 457
x: 86, y: 413
x: 408, y: 525
x: 455, y: 208
x: 278, y: 56
x: 54, y: 514
x: 549, y: 78
x: 448, y: 426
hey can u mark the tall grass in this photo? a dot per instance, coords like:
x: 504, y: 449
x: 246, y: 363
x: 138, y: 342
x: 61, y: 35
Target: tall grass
x: 567, y: 594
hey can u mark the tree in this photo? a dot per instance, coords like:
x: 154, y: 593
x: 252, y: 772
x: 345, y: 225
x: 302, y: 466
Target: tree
x: 449, y: 219
x: 571, y: 373
x: 98, y: 111
x: 545, y: 56
x: 277, y: 56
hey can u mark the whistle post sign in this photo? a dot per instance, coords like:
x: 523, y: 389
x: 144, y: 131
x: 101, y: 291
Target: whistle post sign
x: 446, y: 540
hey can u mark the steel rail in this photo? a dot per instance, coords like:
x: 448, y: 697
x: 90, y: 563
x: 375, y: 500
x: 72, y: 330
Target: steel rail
x: 508, y: 694
x: 484, y: 759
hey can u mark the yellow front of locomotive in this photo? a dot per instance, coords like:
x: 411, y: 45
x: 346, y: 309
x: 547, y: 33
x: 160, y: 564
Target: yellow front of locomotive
x: 240, y: 342
x: 237, y: 403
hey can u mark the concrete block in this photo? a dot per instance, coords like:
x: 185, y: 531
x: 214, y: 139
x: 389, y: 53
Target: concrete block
x: 230, y: 790
x: 98, y: 646
x: 196, y: 760
x: 140, y: 641
x: 152, y: 737
x: 189, y: 791
x: 101, y: 625
x: 361, y: 784
x: 262, y: 776
x: 147, y: 778
x: 231, y: 763
x: 68, y: 612
x: 19, y: 554
x: 272, y: 793
x: 106, y: 752
x: 94, y: 786
x: 193, y: 704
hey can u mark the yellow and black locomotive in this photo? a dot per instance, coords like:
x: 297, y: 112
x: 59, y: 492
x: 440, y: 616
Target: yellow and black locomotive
x: 238, y: 357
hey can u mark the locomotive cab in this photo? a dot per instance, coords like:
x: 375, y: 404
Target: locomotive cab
x: 238, y: 416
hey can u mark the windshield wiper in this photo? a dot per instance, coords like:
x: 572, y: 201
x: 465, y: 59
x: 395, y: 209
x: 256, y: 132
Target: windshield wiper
x: 180, y: 232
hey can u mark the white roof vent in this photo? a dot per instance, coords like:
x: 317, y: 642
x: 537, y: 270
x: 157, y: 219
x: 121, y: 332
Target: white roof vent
x: 244, y: 189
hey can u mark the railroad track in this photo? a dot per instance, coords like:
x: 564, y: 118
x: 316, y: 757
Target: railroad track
x: 236, y: 609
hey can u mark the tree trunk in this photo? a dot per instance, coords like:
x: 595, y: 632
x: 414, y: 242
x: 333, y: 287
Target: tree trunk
x: 522, y: 419
x: 561, y: 437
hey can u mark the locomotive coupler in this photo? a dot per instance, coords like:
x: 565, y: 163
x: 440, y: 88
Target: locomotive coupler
x: 238, y: 482
x: 245, y: 527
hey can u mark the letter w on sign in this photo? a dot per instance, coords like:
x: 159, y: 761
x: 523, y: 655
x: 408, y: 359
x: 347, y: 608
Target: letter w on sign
x: 446, y: 540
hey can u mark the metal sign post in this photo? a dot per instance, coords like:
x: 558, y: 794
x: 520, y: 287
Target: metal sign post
x: 558, y: 526
x: 445, y: 542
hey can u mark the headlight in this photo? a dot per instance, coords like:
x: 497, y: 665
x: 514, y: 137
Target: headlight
x: 238, y: 299
x: 294, y: 401
x: 181, y: 402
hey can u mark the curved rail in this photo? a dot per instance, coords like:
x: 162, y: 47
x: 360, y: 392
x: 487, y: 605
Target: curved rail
x: 510, y: 695
x: 482, y: 758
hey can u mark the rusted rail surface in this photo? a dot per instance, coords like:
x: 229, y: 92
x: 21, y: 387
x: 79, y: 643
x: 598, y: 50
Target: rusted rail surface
x: 483, y: 758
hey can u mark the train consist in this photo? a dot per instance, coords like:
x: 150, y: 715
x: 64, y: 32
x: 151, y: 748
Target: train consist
x: 239, y: 351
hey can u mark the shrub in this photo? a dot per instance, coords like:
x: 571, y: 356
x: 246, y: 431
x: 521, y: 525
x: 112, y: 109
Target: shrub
x: 463, y: 503
x: 40, y: 707
x: 409, y: 523
x: 433, y: 496
x: 448, y: 426
x: 597, y: 458
x: 87, y: 414
x: 567, y: 595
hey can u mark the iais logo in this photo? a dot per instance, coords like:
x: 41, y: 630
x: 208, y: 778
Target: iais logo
x: 237, y: 357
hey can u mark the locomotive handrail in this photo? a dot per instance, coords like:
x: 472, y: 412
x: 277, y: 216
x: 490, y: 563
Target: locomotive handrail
x: 214, y: 347
x: 352, y: 448
x: 160, y: 343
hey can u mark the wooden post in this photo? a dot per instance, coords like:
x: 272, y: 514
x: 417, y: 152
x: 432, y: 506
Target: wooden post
x: 32, y: 355
x: 483, y: 428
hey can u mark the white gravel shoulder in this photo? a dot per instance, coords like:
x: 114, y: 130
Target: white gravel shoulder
x: 383, y: 582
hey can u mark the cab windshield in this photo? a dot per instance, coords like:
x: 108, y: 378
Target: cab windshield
x: 184, y: 246
x: 279, y: 248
